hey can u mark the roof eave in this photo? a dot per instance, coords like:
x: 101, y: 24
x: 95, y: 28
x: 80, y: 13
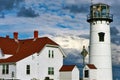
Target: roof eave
x: 8, y: 63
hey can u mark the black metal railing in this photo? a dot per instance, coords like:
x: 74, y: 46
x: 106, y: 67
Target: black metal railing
x: 101, y: 17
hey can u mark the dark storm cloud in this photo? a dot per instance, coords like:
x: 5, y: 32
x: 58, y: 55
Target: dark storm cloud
x: 114, y: 31
x: 24, y: 12
x: 82, y: 8
x: 8, y: 4
x: 115, y: 38
x: 77, y: 6
x: 115, y: 8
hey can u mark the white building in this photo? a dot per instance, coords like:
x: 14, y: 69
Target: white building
x: 30, y: 59
x: 90, y: 72
x: 69, y: 72
x: 100, y: 45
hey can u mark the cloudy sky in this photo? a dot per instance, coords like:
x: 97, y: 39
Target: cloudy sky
x: 64, y: 21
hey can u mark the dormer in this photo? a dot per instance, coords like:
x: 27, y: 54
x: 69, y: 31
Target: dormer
x: 1, y: 54
x: 4, y: 56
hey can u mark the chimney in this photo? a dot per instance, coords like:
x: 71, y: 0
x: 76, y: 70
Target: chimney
x: 7, y: 36
x: 15, y: 36
x: 35, y: 34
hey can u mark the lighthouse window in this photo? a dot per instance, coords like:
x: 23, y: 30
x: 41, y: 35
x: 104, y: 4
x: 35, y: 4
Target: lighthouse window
x: 86, y: 73
x: 101, y: 36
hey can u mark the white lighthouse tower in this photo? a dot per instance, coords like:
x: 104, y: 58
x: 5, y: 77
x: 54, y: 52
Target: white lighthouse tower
x: 100, y: 43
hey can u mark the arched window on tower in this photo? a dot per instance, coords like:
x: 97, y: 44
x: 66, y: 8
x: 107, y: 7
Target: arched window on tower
x: 101, y: 36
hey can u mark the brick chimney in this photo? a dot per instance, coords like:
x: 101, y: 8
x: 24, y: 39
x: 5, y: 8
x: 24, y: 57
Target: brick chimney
x: 35, y: 34
x: 15, y: 36
x: 7, y: 36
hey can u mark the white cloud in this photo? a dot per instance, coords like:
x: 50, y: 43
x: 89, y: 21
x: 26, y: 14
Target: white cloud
x: 72, y: 45
x: 71, y: 42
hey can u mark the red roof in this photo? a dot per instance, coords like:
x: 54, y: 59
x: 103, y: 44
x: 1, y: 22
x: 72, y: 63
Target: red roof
x: 22, y: 48
x: 91, y: 66
x: 67, y: 68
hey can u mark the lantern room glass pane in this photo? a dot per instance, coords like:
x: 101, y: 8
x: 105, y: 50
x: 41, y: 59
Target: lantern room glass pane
x: 99, y: 11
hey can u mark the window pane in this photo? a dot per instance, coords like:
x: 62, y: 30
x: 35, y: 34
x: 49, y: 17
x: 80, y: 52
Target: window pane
x: 7, y: 69
x: 28, y: 69
x: 101, y: 36
x: 50, y: 71
x: 3, y: 69
x: 13, y: 75
x: 52, y: 54
x: 86, y: 73
x: 49, y: 53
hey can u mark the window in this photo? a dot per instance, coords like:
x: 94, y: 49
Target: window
x: 50, y: 71
x: 13, y: 74
x: 5, y: 69
x: 51, y: 54
x: 101, y: 36
x: 28, y: 69
x: 86, y: 73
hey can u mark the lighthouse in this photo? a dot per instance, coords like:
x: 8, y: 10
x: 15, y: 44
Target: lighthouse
x: 100, y: 42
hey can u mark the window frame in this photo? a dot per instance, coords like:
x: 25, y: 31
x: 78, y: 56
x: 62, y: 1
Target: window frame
x: 50, y: 70
x: 50, y: 53
x: 5, y: 69
x: 28, y: 69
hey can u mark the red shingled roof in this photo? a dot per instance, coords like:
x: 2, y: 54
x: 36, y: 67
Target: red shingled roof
x: 22, y: 48
x: 91, y: 66
x: 67, y: 68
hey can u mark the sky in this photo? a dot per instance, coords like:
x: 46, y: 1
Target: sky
x: 64, y: 21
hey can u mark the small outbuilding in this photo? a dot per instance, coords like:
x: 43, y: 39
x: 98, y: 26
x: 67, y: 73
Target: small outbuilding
x: 69, y: 72
x: 89, y: 72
